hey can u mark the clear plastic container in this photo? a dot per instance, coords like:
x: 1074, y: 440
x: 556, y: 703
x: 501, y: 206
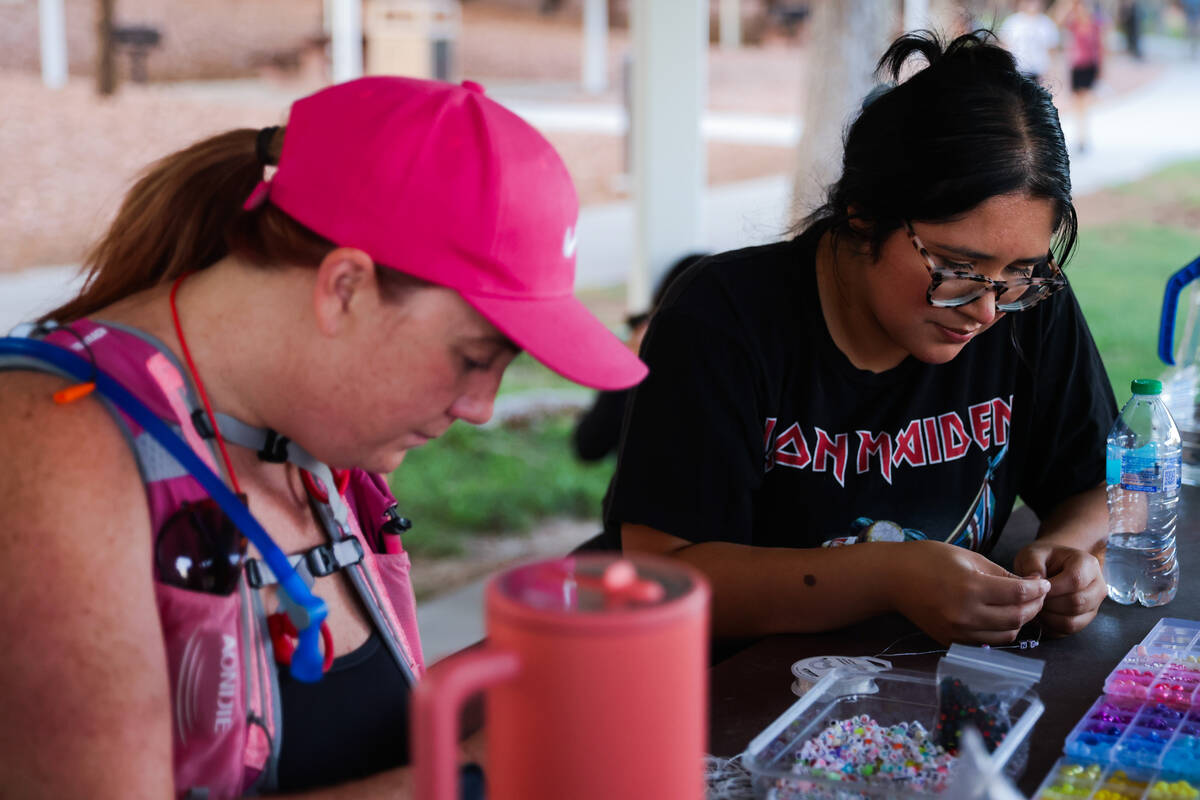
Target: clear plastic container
x: 1073, y: 779
x: 1163, y: 668
x: 1148, y: 721
x: 890, y: 698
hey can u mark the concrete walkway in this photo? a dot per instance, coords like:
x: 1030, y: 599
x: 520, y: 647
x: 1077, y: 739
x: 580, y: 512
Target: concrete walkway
x: 451, y: 621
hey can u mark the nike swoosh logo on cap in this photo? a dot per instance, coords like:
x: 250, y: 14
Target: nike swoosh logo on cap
x: 569, y: 242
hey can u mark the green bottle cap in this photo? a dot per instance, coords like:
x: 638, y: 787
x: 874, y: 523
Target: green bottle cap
x: 1146, y: 386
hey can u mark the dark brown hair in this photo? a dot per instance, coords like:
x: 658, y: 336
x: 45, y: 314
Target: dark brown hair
x: 185, y: 213
x: 966, y: 127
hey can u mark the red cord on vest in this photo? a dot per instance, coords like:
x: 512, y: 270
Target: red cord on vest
x: 341, y: 479
x: 187, y: 356
x: 284, y: 635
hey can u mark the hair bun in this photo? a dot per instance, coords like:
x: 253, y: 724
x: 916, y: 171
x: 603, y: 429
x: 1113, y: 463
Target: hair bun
x: 970, y: 52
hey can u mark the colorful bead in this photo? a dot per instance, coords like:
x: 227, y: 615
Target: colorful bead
x: 862, y: 749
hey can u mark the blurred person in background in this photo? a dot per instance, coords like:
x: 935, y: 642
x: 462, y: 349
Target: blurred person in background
x: 1129, y: 18
x: 1191, y: 16
x: 1030, y: 35
x: 598, y: 430
x: 1085, y: 29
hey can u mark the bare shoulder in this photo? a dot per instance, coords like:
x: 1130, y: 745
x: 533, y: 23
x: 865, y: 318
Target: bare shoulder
x: 78, y: 595
x: 55, y: 451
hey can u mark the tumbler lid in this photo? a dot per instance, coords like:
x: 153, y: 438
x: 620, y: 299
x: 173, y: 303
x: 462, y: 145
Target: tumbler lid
x: 596, y: 584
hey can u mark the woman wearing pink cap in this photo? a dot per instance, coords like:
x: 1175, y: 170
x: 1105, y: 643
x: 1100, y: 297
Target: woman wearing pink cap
x: 298, y: 331
x: 891, y: 379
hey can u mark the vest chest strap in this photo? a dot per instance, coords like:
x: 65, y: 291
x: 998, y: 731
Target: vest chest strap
x: 322, y: 560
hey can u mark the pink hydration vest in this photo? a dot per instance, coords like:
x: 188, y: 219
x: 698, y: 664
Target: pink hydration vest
x: 224, y: 686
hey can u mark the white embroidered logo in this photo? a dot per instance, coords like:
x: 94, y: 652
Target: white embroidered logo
x: 569, y: 242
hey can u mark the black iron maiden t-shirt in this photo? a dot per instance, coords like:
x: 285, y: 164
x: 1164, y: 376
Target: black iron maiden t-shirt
x: 753, y: 427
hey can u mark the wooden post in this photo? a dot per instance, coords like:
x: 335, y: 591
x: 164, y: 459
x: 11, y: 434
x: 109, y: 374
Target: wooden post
x: 106, y: 65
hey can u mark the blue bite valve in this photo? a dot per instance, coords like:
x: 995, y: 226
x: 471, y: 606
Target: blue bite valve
x: 306, y: 660
x: 307, y: 666
x: 307, y: 612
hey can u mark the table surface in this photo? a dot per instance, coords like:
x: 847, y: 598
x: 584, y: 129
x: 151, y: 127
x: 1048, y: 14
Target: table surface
x: 750, y: 689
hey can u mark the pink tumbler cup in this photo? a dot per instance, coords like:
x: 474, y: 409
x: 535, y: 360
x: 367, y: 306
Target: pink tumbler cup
x: 596, y: 671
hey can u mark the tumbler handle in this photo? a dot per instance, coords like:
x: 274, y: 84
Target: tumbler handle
x: 437, y: 701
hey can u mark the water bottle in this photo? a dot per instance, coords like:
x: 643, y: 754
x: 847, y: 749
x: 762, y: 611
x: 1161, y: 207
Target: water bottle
x: 1143, y: 476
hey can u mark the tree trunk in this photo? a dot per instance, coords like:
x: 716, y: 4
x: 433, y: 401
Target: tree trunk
x: 846, y: 39
x: 106, y: 66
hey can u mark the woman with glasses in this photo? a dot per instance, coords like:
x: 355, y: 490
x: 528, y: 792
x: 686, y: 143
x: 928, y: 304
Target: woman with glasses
x: 301, y: 305
x: 838, y: 425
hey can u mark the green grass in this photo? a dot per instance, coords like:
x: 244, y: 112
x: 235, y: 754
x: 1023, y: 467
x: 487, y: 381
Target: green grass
x: 494, y: 480
x: 1178, y: 182
x: 1119, y: 273
x: 524, y: 375
x: 503, y: 480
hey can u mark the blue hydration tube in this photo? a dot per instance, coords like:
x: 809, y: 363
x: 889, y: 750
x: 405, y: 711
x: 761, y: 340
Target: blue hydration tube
x: 311, y: 610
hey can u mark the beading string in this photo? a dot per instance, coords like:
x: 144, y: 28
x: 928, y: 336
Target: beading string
x: 727, y: 778
x: 1023, y: 644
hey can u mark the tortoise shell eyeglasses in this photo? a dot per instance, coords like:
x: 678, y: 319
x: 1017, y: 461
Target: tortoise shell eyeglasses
x: 952, y: 285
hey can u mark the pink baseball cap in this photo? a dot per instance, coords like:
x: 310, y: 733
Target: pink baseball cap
x: 442, y: 183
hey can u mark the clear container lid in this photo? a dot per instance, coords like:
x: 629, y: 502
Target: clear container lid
x: 596, y: 584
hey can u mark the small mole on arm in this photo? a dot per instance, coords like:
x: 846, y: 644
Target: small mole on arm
x: 810, y: 580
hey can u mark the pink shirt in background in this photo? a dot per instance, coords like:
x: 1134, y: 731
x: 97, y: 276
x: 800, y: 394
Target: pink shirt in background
x: 1087, y: 47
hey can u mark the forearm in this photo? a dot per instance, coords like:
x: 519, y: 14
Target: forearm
x: 1079, y: 522
x: 759, y: 591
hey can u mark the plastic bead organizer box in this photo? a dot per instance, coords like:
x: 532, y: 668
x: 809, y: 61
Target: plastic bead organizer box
x: 1141, y: 739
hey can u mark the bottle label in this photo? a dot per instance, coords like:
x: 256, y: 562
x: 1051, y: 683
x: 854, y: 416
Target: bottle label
x: 1139, y: 471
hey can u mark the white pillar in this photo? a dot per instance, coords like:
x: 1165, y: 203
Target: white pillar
x: 916, y: 14
x: 52, y: 40
x: 670, y: 50
x: 730, y: 23
x: 346, y: 35
x: 595, y: 45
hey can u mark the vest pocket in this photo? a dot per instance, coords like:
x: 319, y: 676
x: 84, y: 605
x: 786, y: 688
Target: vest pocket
x: 394, y: 569
x: 208, y: 705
